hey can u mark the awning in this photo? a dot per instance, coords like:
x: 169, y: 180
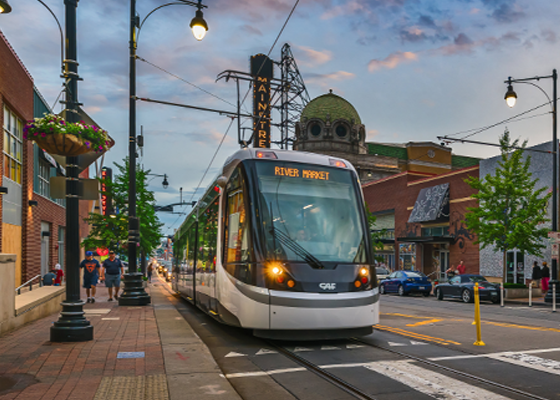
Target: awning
x: 427, y: 239
x: 432, y: 205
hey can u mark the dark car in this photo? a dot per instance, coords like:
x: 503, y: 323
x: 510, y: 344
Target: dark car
x: 462, y: 287
x: 405, y: 282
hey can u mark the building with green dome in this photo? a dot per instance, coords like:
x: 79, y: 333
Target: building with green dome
x: 330, y: 125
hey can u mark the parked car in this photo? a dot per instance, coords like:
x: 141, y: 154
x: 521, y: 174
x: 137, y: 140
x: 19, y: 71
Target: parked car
x: 462, y: 287
x: 382, y: 273
x: 405, y: 282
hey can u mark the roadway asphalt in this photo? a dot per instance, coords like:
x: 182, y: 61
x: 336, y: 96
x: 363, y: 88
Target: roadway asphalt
x: 522, y: 354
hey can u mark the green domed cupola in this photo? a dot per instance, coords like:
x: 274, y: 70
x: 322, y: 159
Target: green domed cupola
x: 330, y: 122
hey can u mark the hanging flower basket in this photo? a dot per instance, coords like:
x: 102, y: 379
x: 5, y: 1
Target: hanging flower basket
x: 56, y: 136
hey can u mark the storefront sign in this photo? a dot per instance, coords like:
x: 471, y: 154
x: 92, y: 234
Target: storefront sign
x: 262, y: 73
x: 106, y: 199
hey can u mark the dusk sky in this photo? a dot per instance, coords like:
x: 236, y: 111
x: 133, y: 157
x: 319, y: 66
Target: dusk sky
x: 413, y: 69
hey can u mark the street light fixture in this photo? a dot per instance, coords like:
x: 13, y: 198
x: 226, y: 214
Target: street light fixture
x: 5, y: 7
x: 132, y: 279
x: 511, y: 98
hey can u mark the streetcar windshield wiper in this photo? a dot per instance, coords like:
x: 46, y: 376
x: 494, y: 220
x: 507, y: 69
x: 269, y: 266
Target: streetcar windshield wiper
x: 296, y: 248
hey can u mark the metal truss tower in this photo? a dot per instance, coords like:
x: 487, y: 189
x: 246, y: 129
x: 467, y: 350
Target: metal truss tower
x: 294, y: 96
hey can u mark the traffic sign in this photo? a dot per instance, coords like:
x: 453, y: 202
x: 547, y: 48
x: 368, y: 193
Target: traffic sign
x: 554, y: 251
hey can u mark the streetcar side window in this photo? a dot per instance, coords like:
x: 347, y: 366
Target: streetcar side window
x: 207, y: 239
x: 237, y: 233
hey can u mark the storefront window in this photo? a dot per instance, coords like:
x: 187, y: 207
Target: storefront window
x: 407, y: 256
x: 13, y: 136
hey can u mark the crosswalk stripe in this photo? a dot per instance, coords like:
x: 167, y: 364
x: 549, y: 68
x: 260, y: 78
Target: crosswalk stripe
x: 429, y: 382
x: 529, y: 361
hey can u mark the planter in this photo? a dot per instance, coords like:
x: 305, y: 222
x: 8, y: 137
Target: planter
x: 517, y: 293
x: 61, y: 144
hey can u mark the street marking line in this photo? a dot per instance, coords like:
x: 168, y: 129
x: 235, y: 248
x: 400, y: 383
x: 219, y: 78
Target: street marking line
x: 330, y: 348
x: 299, y: 349
x: 531, y: 328
x: 415, y: 335
x: 393, y: 344
x: 262, y: 373
x: 412, y: 342
x: 431, y: 383
x: 528, y: 361
x: 430, y: 321
x: 493, y: 355
x: 234, y: 354
x: 405, y: 315
x: 265, y: 351
x: 354, y: 346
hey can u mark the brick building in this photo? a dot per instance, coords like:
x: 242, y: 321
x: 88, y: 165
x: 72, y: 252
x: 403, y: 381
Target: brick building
x: 422, y: 215
x: 32, y: 222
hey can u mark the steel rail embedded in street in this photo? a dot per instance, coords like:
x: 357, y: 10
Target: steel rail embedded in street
x: 455, y: 371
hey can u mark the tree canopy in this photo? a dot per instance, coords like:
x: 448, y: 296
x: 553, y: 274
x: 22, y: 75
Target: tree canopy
x: 112, y: 231
x: 511, y: 213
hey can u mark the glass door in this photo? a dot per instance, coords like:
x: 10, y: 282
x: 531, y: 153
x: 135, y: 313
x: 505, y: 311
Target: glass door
x: 443, y: 263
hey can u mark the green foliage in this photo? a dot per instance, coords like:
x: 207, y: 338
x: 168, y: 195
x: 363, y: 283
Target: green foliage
x: 112, y: 233
x: 376, y: 236
x: 510, y: 213
x: 509, y: 285
x: 93, y: 137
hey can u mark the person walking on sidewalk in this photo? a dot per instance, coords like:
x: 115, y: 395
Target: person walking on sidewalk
x: 537, y: 274
x: 59, y: 274
x: 461, y: 269
x: 150, y: 271
x: 545, y: 277
x: 111, y: 273
x: 91, y: 274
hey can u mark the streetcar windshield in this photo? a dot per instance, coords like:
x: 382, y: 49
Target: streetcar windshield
x: 310, y: 213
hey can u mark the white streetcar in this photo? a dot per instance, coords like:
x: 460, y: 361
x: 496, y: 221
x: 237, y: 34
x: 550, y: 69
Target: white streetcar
x: 279, y: 244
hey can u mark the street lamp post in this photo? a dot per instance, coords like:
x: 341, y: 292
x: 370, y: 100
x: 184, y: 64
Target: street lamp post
x: 511, y: 98
x: 137, y: 295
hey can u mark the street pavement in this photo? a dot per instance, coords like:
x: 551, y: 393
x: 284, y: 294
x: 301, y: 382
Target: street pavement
x: 171, y: 350
x: 147, y: 352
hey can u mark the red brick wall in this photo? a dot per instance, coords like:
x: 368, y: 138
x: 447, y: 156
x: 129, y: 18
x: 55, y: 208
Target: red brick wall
x: 16, y: 92
x: 400, y: 192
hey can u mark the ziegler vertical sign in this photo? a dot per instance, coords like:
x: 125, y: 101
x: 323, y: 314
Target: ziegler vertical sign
x: 262, y: 73
x: 106, y: 198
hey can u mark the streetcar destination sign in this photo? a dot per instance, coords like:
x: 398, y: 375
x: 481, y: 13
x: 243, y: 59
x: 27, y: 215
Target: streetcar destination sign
x: 303, y: 173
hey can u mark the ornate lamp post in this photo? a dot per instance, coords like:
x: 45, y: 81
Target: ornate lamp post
x: 511, y: 99
x: 134, y: 293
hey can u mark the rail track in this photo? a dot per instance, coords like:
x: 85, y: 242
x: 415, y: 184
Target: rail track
x: 360, y: 394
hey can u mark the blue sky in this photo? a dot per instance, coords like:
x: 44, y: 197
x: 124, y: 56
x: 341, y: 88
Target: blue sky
x: 413, y: 69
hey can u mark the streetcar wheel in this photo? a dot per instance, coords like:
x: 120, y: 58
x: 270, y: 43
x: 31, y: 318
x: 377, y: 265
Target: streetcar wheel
x: 439, y: 294
x: 466, y: 296
x: 401, y: 291
x: 382, y: 289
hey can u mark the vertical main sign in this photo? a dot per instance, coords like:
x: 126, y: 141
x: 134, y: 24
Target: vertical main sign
x: 106, y: 198
x: 262, y: 73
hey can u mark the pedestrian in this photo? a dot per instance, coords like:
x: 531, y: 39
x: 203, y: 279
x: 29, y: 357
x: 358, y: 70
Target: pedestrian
x: 537, y: 274
x: 49, y: 278
x: 451, y: 271
x: 111, y: 273
x: 59, y: 274
x: 461, y: 269
x: 91, y: 274
x: 545, y: 276
x: 150, y: 271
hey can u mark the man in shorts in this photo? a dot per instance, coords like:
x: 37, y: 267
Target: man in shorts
x: 91, y: 274
x: 112, y: 272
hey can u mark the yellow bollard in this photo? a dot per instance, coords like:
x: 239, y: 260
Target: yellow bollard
x: 479, y: 341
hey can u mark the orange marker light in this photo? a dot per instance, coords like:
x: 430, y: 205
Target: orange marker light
x: 357, y: 283
x: 291, y: 283
x: 337, y: 163
x: 266, y: 154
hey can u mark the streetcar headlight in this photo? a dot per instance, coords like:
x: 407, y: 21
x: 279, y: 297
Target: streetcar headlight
x: 364, y: 272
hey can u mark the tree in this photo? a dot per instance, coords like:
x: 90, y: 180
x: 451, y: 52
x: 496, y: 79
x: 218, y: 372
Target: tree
x: 112, y: 232
x: 376, y: 235
x: 510, y: 213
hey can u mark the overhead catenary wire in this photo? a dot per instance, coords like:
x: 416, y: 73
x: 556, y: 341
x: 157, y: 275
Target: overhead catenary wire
x: 205, y: 172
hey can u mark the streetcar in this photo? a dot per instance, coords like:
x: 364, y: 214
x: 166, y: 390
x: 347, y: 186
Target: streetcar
x: 279, y: 244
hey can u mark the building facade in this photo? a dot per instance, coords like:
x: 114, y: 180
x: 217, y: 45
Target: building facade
x: 32, y: 222
x: 421, y: 219
x: 519, y: 265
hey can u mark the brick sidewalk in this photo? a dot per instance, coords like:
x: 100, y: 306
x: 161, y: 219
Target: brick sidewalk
x: 86, y: 370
